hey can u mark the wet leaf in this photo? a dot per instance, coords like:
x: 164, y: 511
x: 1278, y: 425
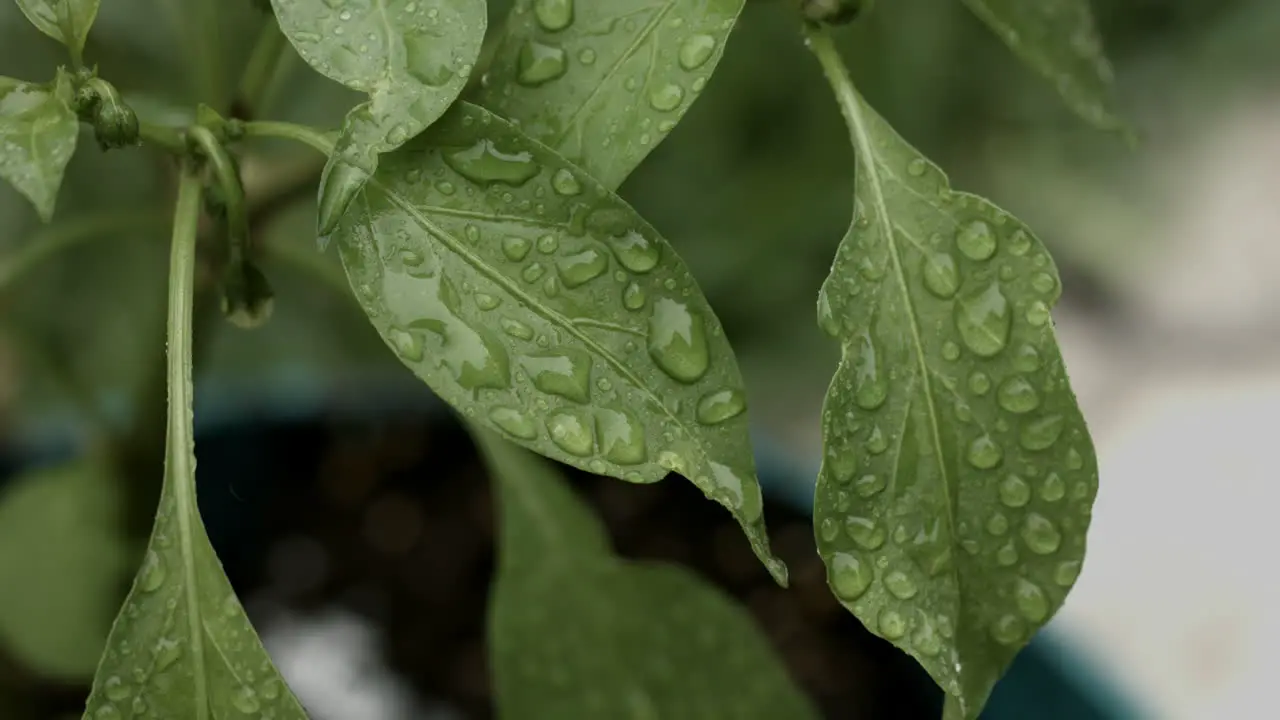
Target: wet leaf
x: 1058, y: 39
x: 38, y: 131
x: 67, y: 21
x: 958, y: 475
x: 603, y: 83
x: 62, y: 560
x: 577, y: 632
x: 182, y: 646
x: 537, y: 302
x: 413, y: 58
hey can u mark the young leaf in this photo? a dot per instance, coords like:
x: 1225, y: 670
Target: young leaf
x: 958, y: 474
x: 38, y: 131
x: 413, y: 58
x: 182, y: 646
x: 1057, y: 38
x: 62, y: 559
x: 535, y: 300
x: 603, y: 82
x: 577, y: 632
x: 67, y: 21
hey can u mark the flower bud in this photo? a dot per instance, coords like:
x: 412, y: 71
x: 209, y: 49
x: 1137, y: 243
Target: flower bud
x: 833, y: 12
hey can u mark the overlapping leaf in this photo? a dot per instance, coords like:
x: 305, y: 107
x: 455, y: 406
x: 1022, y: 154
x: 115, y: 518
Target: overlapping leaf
x: 537, y: 302
x: 1059, y: 40
x: 603, y: 82
x: 413, y: 58
x: 38, y: 131
x: 67, y: 21
x: 958, y: 475
x: 576, y: 632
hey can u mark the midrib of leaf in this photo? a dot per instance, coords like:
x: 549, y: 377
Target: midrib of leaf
x: 389, y: 33
x: 851, y: 106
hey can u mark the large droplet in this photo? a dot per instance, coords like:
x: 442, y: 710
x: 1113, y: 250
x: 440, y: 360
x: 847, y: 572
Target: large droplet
x: 729, y: 489
x: 406, y: 344
x: 633, y: 297
x: 867, y: 533
x: 581, y: 267
x: 900, y: 585
x: 565, y: 183
x: 984, y: 452
x: 621, y: 436
x: 984, y: 320
x: 539, y: 63
x: 428, y: 59
x: 484, y: 164
x: 926, y: 641
x: 513, y: 422
x: 245, y: 699
x: 1037, y: 314
x: 976, y: 240
x: 940, y: 275
x: 1052, y: 488
x: 473, y: 354
x: 718, y: 406
x: 516, y: 329
x: 869, y: 386
x: 152, y: 574
x: 849, y: 576
x: 696, y: 50
x: 666, y: 97
x: 1008, y: 630
x: 892, y: 624
x: 1041, y: 433
x: 167, y: 652
x: 516, y: 248
x: 868, y: 485
x: 678, y: 340
x: 1066, y: 573
x: 553, y: 15
x: 571, y: 432
x: 565, y: 372
x: 1040, y: 534
x: 1014, y: 491
x: 115, y: 688
x: 1017, y: 395
x: 1031, y: 601
x: 635, y: 252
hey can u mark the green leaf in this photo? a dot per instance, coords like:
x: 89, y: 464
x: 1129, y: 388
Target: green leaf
x: 958, y: 475
x: 413, y: 58
x: 577, y: 632
x: 182, y: 646
x: 1058, y: 39
x: 38, y: 131
x: 536, y: 301
x: 602, y: 83
x: 62, y: 558
x: 67, y: 21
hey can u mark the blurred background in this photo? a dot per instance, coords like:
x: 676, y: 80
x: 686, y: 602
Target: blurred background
x: 346, y: 504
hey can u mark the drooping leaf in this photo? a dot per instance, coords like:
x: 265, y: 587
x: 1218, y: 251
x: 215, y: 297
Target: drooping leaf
x: 577, y: 632
x: 536, y: 301
x: 958, y: 475
x: 38, y: 131
x: 1058, y: 39
x: 182, y: 646
x: 603, y: 82
x: 62, y: 560
x: 67, y: 21
x: 413, y: 58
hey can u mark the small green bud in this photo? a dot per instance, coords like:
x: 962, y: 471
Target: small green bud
x: 114, y: 124
x: 247, y: 298
x: 833, y: 12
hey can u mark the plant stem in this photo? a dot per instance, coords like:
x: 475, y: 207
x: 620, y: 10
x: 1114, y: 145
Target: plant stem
x: 291, y: 131
x: 264, y: 62
x: 228, y: 179
x: 168, y: 138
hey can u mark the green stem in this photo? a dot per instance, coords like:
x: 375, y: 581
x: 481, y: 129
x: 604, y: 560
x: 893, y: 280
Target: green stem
x: 168, y: 138
x: 229, y: 181
x: 317, y: 139
x: 50, y: 240
x: 264, y: 62
x: 819, y: 43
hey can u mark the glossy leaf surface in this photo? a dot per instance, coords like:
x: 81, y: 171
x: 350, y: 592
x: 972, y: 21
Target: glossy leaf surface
x: 1059, y: 40
x: 958, y: 475
x: 67, y: 21
x: 536, y: 301
x: 182, y: 646
x: 62, y: 561
x: 577, y: 632
x: 603, y: 82
x: 38, y: 131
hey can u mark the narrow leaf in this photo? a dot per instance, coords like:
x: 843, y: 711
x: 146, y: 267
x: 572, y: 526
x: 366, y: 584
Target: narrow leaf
x: 38, y: 131
x: 67, y: 21
x: 1058, y: 39
x: 577, y: 632
x: 537, y: 302
x: 413, y: 58
x: 602, y: 83
x: 958, y: 476
x: 62, y: 560
x: 182, y: 646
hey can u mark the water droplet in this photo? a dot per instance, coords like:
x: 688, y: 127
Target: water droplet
x: 1019, y: 243
x: 984, y: 452
x: 940, y: 275
x: 565, y: 183
x: 979, y: 383
x: 877, y: 442
x: 484, y: 164
x: 950, y: 351
x: 621, y: 436
x: 1041, y: 433
x: 427, y: 59
x: 892, y: 625
x: 828, y: 529
x: 533, y: 272
x: 485, y: 301
x: 406, y: 344
x: 571, y: 433
x: 167, y: 652
x: 1014, y: 491
x: 867, y: 533
x: 1031, y: 601
x: 635, y: 252
x: 1043, y: 283
x: 515, y: 248
x: 107, y: 712
x: 566, y: 373
x: 870, y: 388
x: 1074, y: 461
x: 868, y: 485
x: 270, y: 689
x: 1040, y: 534
x: 849, y: 576
x: 587, y: 56
x: 152, y: 574
x: 678, y: 341
x: 1008, y: 630
x: 548, y: 244
x: 916, y: 167
x: 539, y: 63
x: 696, y: 50
x: 843, y: 465
x: 983, y: 320
x: 720, y: 405
x: 1037, y: 314
x: 473, y: 354
x: 1067, y: 572
x: 581, y: 267
x: 926, y: 641
x: 976, y: 240
x: 245, y: 700
x: 1052, y: 488
x: 633, y: 297
x: 1007, y: 555
x: 998, y: 524
x: 116, y: 689
x: 900, y: 585
x: 553, y: 15
x: 1017, y: 395
x: 666, y: 98
x: 516, y: 329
